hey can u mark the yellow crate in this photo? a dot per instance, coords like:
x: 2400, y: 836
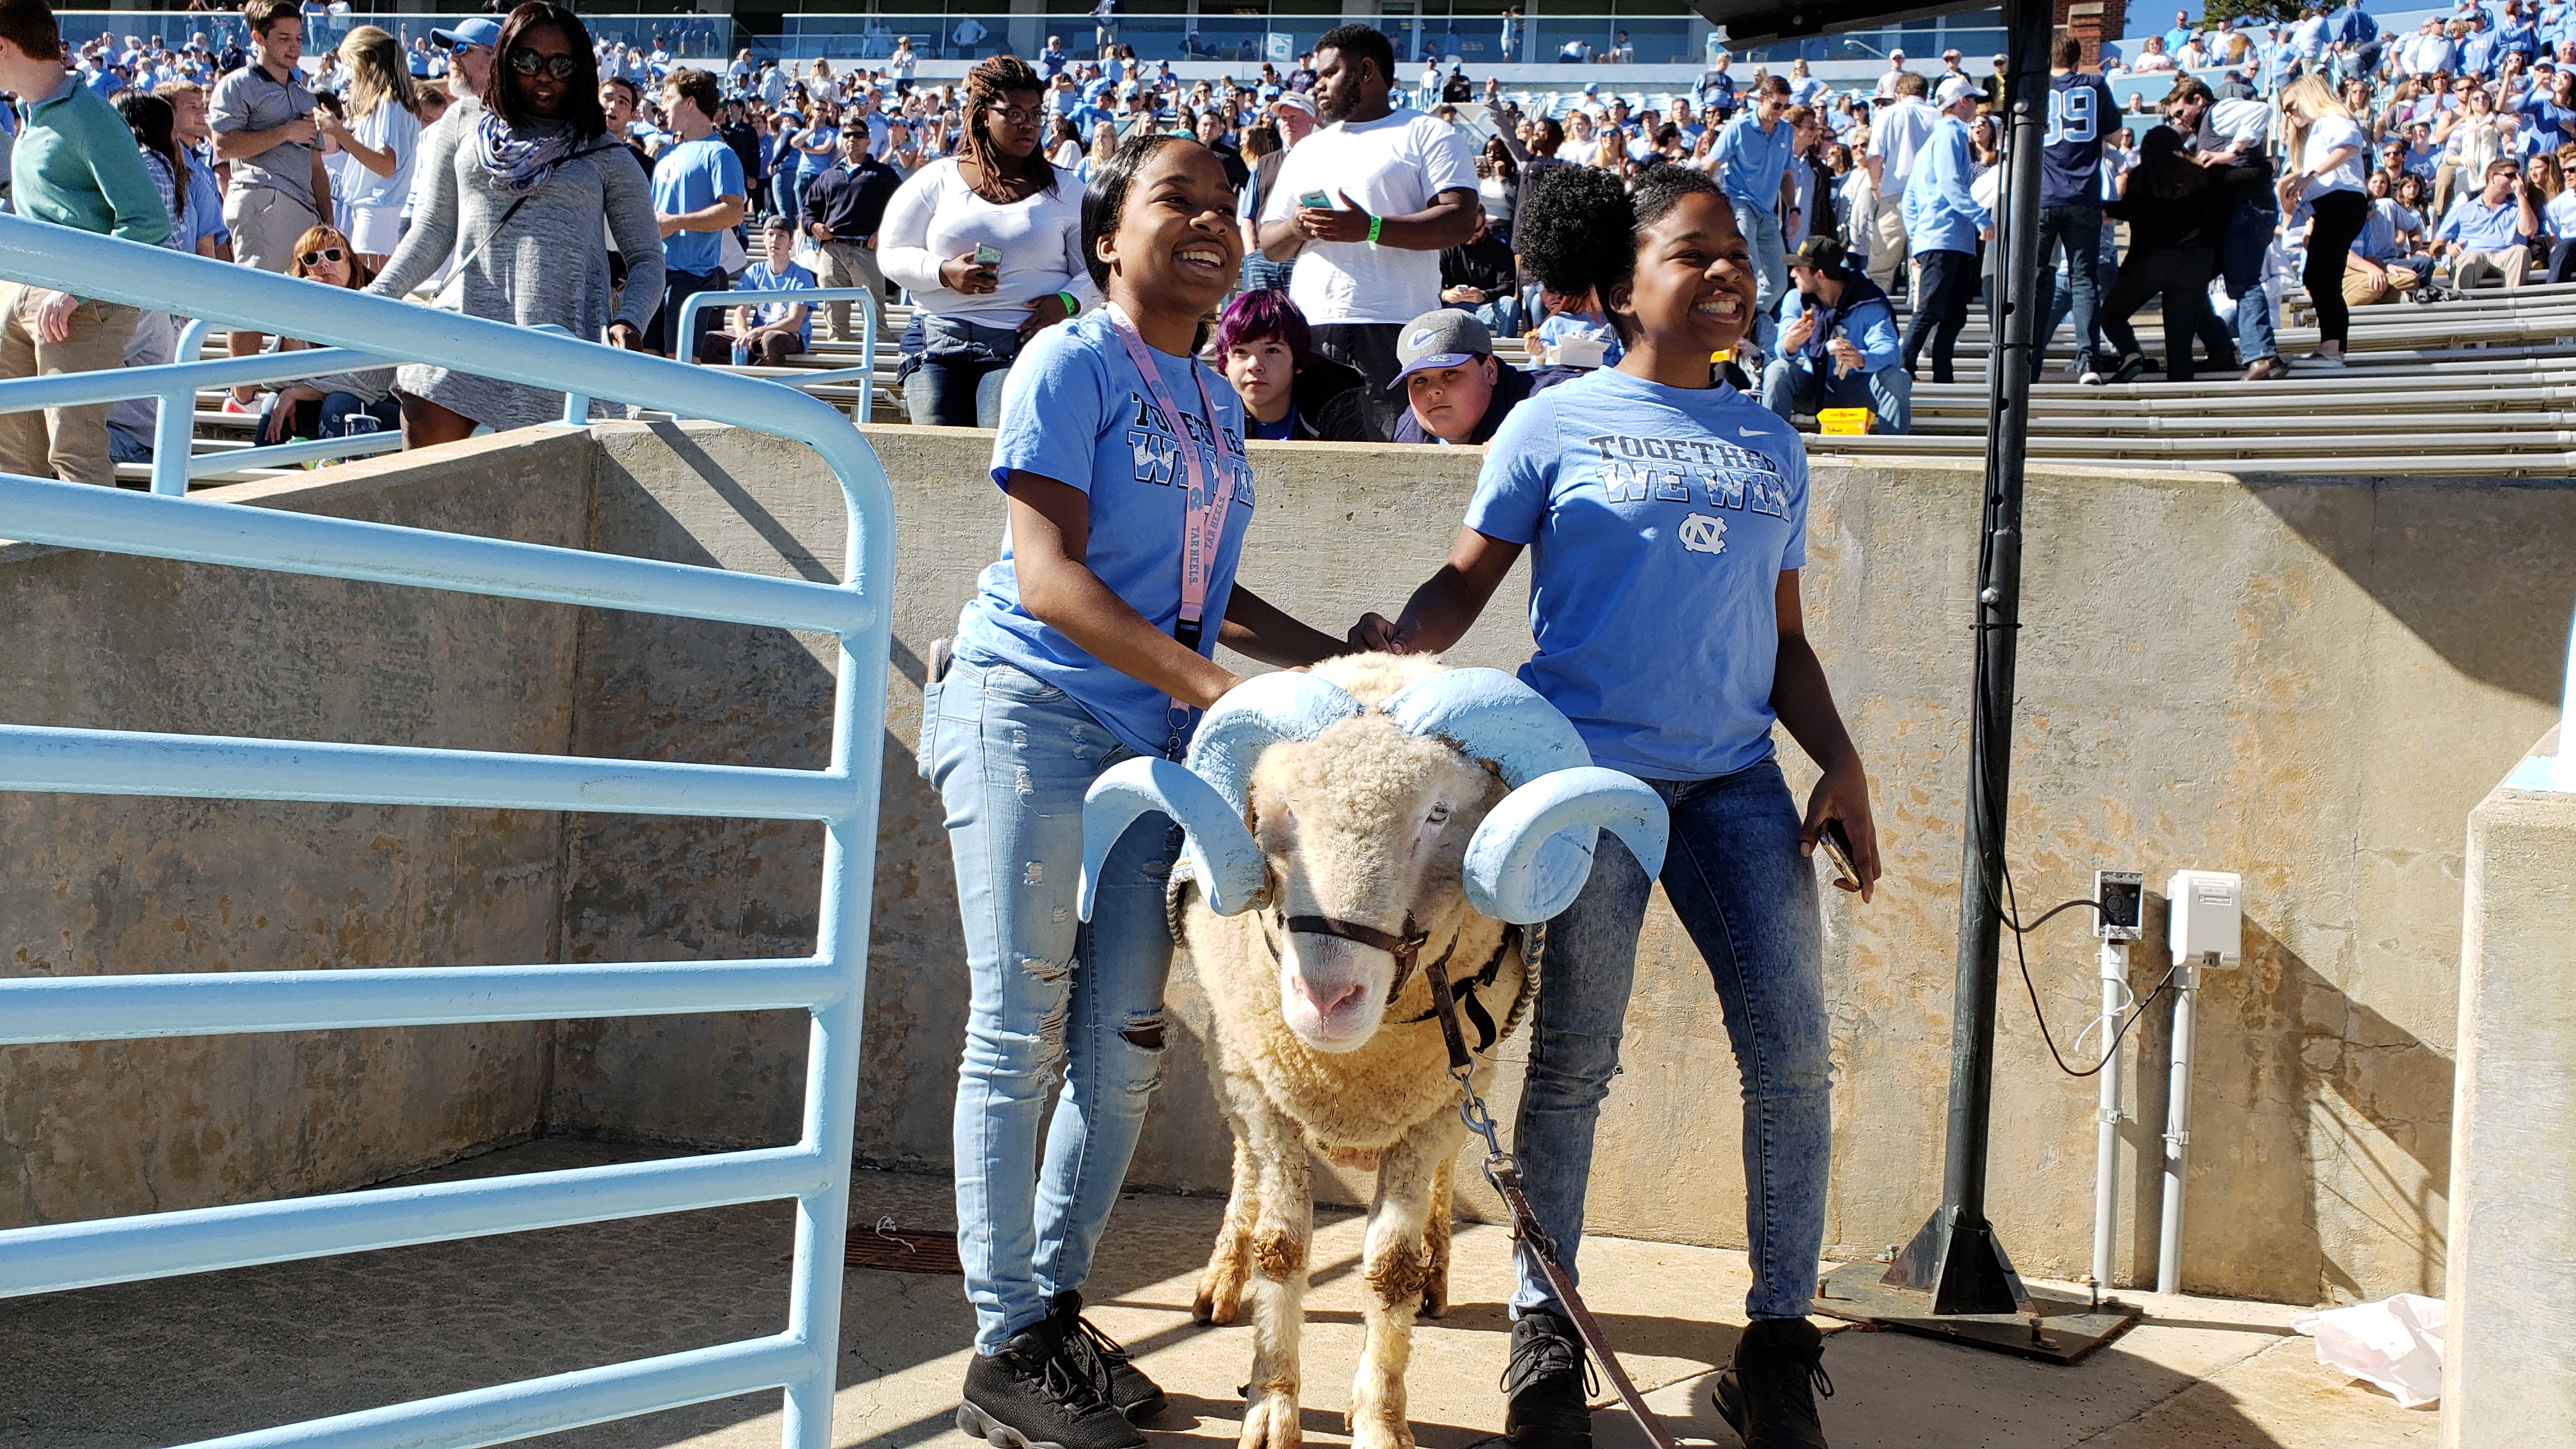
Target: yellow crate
x: 1847, y: 420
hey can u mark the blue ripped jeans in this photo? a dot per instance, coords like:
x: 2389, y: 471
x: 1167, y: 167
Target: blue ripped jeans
x: 1748, y: 900
x: 1011, y: 756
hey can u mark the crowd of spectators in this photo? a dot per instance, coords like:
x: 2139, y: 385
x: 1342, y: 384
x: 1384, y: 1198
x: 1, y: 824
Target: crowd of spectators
x: 527, y: 170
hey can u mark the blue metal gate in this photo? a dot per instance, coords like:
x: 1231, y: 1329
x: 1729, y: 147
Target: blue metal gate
x: 815, y: 1172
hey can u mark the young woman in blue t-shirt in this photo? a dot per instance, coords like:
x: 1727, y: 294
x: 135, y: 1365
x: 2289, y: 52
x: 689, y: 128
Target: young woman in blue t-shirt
x: 1082, y: 648
x: 1666, y: 516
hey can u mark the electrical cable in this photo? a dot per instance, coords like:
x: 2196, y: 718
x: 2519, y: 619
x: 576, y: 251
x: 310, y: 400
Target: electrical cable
x: 2005, y: 902
x: 2111, y: 1048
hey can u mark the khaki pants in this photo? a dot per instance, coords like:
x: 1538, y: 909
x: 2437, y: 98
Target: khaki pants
x: 851, y: 264
x: 266, y: 223
x: 2471, y: 267
x: 1887, y: 243
x: 65, y: 443
x: 2361, y: 289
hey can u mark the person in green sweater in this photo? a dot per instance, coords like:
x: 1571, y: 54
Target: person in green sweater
x: 75, y: 165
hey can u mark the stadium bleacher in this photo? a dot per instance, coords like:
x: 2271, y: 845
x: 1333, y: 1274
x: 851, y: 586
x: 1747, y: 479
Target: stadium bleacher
x: 2484, y: 386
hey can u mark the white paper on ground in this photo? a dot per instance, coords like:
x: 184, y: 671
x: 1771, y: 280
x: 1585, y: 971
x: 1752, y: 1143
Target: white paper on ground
x: 2395, y: 1343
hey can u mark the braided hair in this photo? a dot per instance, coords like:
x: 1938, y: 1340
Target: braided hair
x: 992, y: 83
x: 1577, y: 227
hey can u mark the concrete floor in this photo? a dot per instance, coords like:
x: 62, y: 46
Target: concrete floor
x: 185, y: 1359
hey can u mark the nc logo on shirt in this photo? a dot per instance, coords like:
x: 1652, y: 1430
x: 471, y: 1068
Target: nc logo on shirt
x: 1702, y: 534
x: 1157, y: 451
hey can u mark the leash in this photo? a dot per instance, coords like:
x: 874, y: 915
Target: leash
x: 1503, y: 1171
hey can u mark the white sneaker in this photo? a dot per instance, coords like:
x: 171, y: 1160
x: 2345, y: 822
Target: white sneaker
x: 2090, y: 378
x: 2327, y: 361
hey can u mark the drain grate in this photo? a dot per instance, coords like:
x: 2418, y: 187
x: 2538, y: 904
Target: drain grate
x: 902, y: 1250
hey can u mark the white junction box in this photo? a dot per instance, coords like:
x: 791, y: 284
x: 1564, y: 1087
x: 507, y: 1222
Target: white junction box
x: 2208, y: 915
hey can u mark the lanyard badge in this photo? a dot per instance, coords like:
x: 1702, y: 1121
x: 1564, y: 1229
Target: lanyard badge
x: 1205, y: 500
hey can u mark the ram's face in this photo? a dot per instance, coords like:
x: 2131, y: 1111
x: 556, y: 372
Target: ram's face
x: 1367, y: 825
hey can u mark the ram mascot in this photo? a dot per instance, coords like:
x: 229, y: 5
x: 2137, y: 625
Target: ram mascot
x: 1344, y: 827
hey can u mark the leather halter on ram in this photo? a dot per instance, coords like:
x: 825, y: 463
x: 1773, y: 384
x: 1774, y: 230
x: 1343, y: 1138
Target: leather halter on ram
x: 1526, y: 862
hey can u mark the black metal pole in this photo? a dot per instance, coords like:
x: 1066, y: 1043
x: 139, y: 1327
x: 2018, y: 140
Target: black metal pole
x: 1956, y: 1256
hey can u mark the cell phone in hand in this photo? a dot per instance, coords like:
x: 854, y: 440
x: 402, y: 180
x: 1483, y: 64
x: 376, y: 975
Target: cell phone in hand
x: 987, y: 255
x: 1317, y: 200
x: 1838, y: 849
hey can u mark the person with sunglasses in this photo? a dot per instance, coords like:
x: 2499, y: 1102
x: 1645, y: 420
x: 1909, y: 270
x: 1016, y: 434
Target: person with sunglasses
x: 517, y: 197
x: 990, y: 242
x: 336, y: 404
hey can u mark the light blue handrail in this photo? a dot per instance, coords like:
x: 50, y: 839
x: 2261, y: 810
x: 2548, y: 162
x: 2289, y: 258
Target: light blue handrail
x: 690, y: 309
x: 815, y: 1172
x: 174, y: 385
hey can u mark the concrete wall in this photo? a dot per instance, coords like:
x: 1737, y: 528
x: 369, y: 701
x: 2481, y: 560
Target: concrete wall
x: 2311, y: 683
x: 103, y: 884
x: 2509, y: 1345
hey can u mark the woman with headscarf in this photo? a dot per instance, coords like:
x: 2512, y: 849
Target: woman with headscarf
x: 517, y: 196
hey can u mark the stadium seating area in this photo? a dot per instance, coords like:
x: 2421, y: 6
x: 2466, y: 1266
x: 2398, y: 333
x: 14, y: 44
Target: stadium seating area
x: 2482, y: 386
x: 2485, y: 385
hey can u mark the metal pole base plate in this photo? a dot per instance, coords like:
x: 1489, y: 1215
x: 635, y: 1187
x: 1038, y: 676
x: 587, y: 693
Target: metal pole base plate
x: 2054, y: 1330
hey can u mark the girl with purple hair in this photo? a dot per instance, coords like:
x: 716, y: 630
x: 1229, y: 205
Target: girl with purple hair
x: 1288, y: 391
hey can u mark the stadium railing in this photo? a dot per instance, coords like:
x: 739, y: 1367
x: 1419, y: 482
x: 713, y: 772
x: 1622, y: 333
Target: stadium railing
x: 811, y: 296
x: 801, y: 1358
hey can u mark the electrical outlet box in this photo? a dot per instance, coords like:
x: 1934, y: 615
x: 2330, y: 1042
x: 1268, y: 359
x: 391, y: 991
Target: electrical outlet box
x: 2208, y: 915
x: 2123, y: 897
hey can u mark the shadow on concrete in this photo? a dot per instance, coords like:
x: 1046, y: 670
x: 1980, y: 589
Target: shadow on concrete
x: 2414, y: 553
x: 175, y: 1360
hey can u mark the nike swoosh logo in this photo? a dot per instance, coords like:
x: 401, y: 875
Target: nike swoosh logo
x: 1749, y: 433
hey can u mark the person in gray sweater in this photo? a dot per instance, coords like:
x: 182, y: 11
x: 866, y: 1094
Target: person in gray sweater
x: 516, y: 196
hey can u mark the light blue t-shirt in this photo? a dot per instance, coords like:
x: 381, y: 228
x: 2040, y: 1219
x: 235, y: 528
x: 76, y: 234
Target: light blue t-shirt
x: 795, y: 278
x: 815, y: 163
x: 1754, y: 158
x: 1561, y: 325
x: 1659, y: 520
x: 1077, y: 411
x: 2474, y: 224
x: 691, y: 177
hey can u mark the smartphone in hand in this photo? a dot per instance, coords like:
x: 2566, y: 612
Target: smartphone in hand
x: 987, y: 255
x: 1317, y: 200
x: 1838, y: 849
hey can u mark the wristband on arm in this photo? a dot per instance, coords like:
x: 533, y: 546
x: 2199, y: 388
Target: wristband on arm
x: 1072, y: 308
x: 1374, y: 223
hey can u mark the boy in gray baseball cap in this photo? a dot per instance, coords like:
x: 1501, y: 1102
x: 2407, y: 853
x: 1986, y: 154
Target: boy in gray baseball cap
x: 1457, y: 391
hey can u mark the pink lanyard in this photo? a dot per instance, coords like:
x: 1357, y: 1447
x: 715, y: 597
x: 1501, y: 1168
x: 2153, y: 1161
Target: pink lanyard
x: 1203, y: 507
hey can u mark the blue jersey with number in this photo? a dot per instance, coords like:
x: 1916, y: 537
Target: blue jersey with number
x: 2081, y: 114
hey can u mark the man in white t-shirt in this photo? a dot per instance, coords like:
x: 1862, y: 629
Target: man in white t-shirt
x: 1896, y: 132
x: 1398, y: 188
x: 1887, y: 83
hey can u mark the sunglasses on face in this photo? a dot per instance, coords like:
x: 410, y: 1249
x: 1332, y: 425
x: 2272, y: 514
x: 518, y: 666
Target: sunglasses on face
x: 326, y: 254
x: 528, y: 62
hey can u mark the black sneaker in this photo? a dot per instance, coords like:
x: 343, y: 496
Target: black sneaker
x: 1547, y: 1385
x: 1769, y: 1393
x: 1028, y: 1397
x: 1104, y: 1363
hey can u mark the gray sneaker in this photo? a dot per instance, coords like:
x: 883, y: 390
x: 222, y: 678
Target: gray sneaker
x: 1027, y: 1397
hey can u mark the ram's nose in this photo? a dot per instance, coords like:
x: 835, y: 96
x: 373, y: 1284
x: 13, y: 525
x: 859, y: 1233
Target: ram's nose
x: 1328, y: 1000
x: 1328, y: 994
